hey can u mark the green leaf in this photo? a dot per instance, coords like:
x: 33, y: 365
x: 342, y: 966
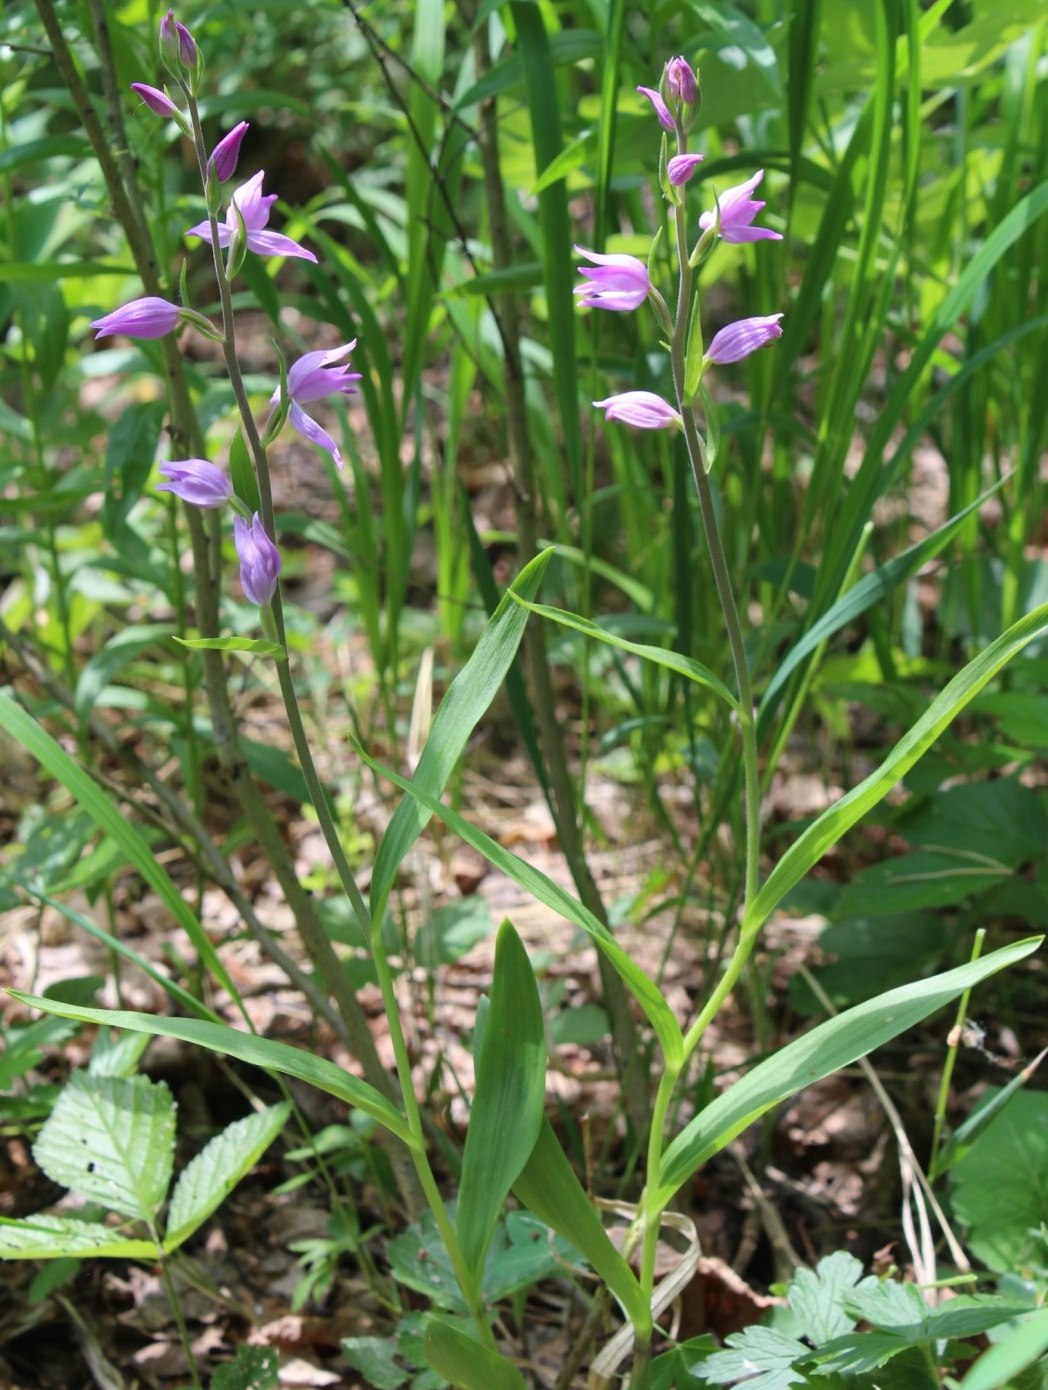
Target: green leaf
x: 253, y: 1368
x: 467, y: 698
x: 508, y: 1100
x: 112, y: 1140
x: 374, y: 1358
x: 246, y: 1047
x: 258, y: 646
x: 999, y: 1188
x: 453, y: 1353
x: 861, y: 596
x: 127, y: 644
x: 208, y: 1179
x: 110, y: 818
x: 242, y: 473
x: 816, y: 1297
x: 990, y: 1106
x: 677, y: 1369
x: 832, y: 1045
x: 116, y: 1054
x: 1002, y: 820
x: 764, y: 1353
x: 547, y: 1186
x: 55, y: 1237
x: 828, y: 828
x: 644, y: 989
x: 908, y: 882
x: 1024, y: 1345
x: 660, y: 656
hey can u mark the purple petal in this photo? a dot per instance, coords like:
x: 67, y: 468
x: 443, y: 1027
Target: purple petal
x: 158, y: 102
x: 738, y: 340
x: 642, y: 409
x: 203, y: 231
x: 681, y: 167
x: 309, y: 429
x: 227, y: 152
x: 274, y: 244
x: 661, y: 109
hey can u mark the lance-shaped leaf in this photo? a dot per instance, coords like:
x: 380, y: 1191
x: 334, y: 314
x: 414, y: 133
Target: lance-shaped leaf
x: 112, y: 1140
x: 246, y: 1047
x: 468, y: 696
x: 508, y: 1101
x: 547, y: 1186
x: 454, y: 1354
x: 828, y: 828
x: 832, y: 1045
x: 208, y: 1179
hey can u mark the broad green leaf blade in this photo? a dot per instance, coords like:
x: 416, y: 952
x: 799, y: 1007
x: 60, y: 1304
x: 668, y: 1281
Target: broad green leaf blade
x: 834, y: 1044
x: 548, y: 1187
x: 257, y: 646
x: 961, y: 1141
x: 643, y: 988
x: 816, y: 1297
x: 21, y: 725
x: 828, y: 828
x: 54, y: 1237
x: 508, y: 1101
x: 246, y: 1047
x: 861, y: 596
x: 1023, y: 1346
x: 116, y: 1055
x: 660, y: 656
x: 253, y: 1368
x: 453, y: 1353
x: 112, y: 1140
x: 468, y: 696
x: 208, y: 1179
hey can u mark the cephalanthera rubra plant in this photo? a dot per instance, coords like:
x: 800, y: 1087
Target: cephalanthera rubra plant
x: 510, y: 1146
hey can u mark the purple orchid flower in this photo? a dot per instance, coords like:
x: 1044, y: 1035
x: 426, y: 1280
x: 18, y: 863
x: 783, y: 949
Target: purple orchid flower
x: 142, y: 318
x: 197, y: 482
x: 158, y: 102
x: 737, y: 211
x: 259, y: 560
x: 313, y: 377
x: 681, y: 167
x: 254, y: 208
x: 642, y: 409
x: 226, y: 153
x: 738, y: 340
x: 620, y: 282
x: 661, y: 109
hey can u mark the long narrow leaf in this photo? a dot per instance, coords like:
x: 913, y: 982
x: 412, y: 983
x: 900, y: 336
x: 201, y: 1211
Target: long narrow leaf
x: 35, y: 739
x: 834, y: 1044
x: 660, y: 656
x: 643, y: 988
x: 245, y: 1047
x: 508, y: 1100
x: 468, y: 697
x: 843, y: 814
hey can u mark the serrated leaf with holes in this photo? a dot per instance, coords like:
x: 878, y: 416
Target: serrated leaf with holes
x: 112, y: 1140
x: 208, y: 1179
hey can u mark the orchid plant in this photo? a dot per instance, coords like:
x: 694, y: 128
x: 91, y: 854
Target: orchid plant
x: 509, y: 1144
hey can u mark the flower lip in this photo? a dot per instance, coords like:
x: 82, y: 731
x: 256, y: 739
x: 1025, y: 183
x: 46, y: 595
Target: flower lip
x: 260, y: 562
x: 619, y: 282
x: 642, y: 409
x: 196, y: 481
x: 661, y: 109
x: 254, y: 209
x: 738, y: 340
x: 150, y: 317
x: 737, y: 211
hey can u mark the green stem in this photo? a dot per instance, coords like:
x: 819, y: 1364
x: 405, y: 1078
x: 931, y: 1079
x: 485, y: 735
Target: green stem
x: 948, y: 1065
x: 180, y: 1322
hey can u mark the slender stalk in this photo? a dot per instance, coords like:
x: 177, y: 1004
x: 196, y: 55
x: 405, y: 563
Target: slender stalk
x: 953, y: 1042
x: 180, y: 1322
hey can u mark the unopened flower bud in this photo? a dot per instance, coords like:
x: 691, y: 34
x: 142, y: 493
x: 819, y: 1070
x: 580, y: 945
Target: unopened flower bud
x: 259, y: 560
x: 150, y: 317
x: 157, y: 101
x: 196, y: 481
x: 681, y: 81
x: 179, y: 52
x: 226, y: 153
